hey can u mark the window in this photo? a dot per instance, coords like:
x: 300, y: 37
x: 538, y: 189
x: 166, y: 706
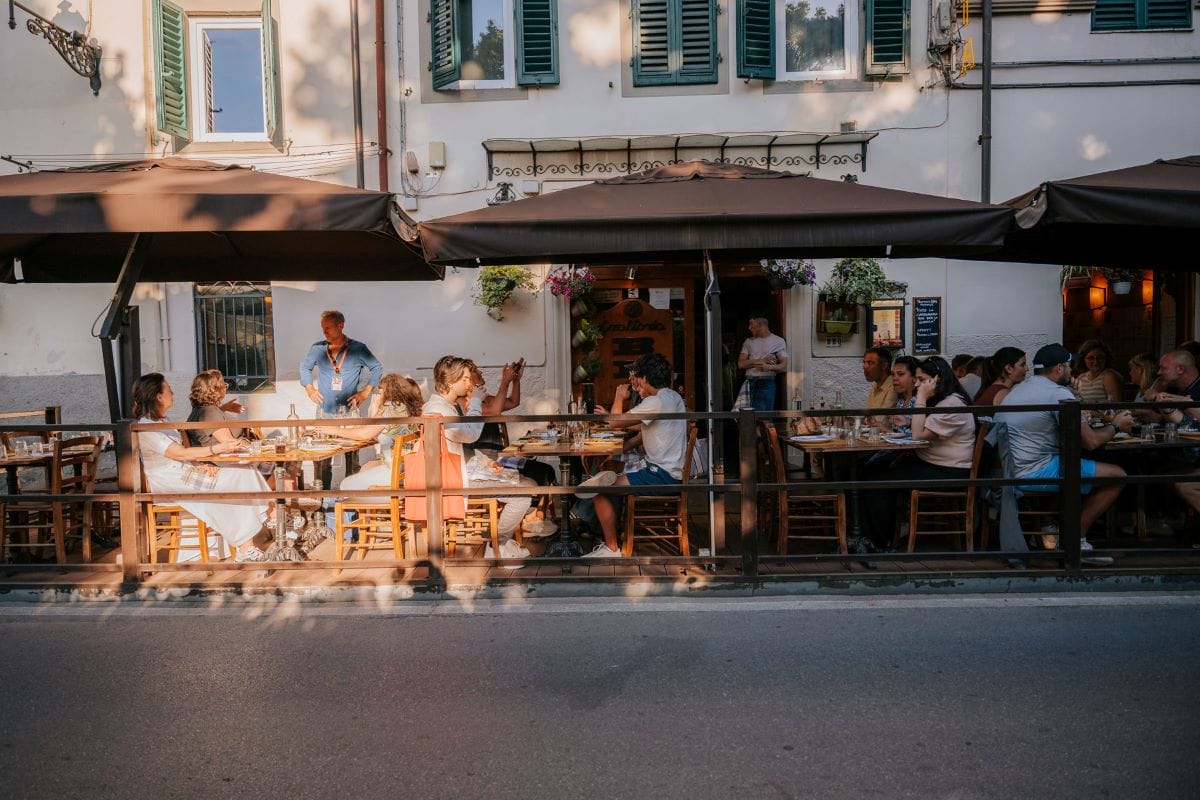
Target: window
x: 800, y: 40
x: 674, y: 42
x: 235, y: 333
x: 216, y: 76
x: 474, y: 47
x: 1138, y: 15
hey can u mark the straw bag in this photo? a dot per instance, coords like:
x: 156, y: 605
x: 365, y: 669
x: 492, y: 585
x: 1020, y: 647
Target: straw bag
x: 453, y: 506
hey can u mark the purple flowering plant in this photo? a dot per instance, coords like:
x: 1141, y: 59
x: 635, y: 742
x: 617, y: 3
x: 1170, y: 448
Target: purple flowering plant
x: 790, y: 271
x: 570, y: 283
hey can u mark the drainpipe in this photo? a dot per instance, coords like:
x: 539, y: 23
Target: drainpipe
x: 356, y: 100
x: 164, y: 328
x: 985, y: 134
x: 381, y: 96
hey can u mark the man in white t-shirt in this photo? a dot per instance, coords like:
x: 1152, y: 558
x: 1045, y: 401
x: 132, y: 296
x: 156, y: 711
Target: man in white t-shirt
x: 764, y: 355
x: 664, y: 440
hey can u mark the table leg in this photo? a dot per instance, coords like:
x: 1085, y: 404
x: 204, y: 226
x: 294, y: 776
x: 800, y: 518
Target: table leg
x: 565, y: 545
x: 281, y: 549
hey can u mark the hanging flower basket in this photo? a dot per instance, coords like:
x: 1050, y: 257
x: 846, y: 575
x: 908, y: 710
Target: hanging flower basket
x: 570, y: 282
x: 495, y: 286
x: 784, y: 273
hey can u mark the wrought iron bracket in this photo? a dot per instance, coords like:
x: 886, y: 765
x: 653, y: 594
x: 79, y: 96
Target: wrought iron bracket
x: 80, y: 55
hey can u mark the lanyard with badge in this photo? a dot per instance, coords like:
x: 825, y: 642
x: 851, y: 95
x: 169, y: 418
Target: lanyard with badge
x: 337, y: 366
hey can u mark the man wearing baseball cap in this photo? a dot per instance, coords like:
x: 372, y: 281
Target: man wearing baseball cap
x: 1033, y: 435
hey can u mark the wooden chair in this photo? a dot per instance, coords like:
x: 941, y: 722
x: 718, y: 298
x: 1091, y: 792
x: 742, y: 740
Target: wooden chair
x: 952, y: 512
x: 72, y: 471
x: 480, y: 527
x: 170, y: 527
x: 799, y: 515
x: 380, y: 523
x: 660, y: 517
x: 1035, y: 509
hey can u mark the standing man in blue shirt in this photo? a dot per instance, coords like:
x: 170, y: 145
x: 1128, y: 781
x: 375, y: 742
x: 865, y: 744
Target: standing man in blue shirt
x: 340, y: 362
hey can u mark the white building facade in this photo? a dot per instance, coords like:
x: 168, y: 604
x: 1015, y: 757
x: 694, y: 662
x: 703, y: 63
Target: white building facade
x: 546, y: 94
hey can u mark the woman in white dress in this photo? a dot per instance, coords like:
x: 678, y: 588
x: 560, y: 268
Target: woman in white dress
x: 172, y: 467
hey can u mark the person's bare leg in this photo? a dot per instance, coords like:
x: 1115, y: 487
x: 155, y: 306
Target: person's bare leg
x: 607, y: 516
x: 1101, y: 498
x: 1190, y: 492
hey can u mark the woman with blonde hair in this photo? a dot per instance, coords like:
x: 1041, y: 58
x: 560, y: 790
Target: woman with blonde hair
x: 207, y: 393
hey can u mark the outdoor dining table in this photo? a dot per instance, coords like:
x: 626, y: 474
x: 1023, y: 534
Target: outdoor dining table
x: 281, y: 455
x: 848, y: 452
x: 1145, y: 449
x: 599, y: 444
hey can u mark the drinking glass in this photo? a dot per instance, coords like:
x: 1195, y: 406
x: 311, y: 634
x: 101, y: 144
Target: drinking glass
x: 873, y: 435
x: 1170, y: 432
x: 1148, y: 432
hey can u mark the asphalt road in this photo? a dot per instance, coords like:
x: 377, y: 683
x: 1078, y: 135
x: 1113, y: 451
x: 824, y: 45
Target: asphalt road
x: 708, y: 699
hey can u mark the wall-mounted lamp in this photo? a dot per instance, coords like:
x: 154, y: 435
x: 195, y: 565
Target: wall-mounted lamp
x: 81, y: 55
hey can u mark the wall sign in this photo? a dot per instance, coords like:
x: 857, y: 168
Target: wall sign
x: 631, y: 328
x: 927, y: 326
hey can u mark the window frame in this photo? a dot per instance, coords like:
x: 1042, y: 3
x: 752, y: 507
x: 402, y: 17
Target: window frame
x: 197, y: 25
x: 508, y: 12
x: 851, y: 46
x: 679, y: 73
x: 1141, y: 24
x: 205, y: 295
x: 534, y: 26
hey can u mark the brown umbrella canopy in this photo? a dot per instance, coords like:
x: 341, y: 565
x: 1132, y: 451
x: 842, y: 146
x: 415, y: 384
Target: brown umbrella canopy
x: 674, y: 213
x: 1144, y: 216
x: 206, y: 222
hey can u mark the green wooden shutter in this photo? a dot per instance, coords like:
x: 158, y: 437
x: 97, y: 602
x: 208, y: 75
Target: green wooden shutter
x: 697, y: 41
x: 537, y: 42
x: 1115, y: 15
x: 674, y: 42
x: 170, y: 80
x: 756, y: 39
x: 651, y: 43
x: 446, y: 61
x: 887, y: 37
x: 1168, y: 14
x: 270, y: 70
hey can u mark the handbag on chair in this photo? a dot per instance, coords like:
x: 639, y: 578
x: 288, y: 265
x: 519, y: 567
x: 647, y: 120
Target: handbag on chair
x: 453, y: 506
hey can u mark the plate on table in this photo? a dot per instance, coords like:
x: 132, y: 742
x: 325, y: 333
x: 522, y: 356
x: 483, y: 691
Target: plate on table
x: 320, y: 447
x: 606, y: 435
x: 1193, y: 435
x: 902, y: 440
x: 812, y: 437
x: 1121, y: 436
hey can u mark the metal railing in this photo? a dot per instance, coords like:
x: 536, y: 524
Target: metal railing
x: 131, y: 496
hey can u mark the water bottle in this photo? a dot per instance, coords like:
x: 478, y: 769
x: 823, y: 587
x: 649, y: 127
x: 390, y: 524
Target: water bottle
x: 292, y: 427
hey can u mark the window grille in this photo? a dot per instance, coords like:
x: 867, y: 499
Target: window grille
x: 235, y: 333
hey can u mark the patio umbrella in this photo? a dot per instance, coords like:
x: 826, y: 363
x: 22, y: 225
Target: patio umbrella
x: 175, y: 219
x: 698, y: 211
x: 1143, y: 216
x: 676, y: 213
x: 201, y: 222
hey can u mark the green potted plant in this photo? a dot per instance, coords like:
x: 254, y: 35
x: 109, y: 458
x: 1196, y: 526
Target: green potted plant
x: 589, y: 367
x: 1121, y: 280
x: 495, y: 286
x: 837, y: 323
x: 1074, y: 276
x: 855, y: 281
x: 588, y: 334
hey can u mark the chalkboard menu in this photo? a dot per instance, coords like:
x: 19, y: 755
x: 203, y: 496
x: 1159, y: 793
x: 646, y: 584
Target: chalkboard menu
x: 927, y: 326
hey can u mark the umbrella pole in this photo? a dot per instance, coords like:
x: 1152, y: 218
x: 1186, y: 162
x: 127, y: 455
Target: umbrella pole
x: 716, y: 462
x: 117, y: 324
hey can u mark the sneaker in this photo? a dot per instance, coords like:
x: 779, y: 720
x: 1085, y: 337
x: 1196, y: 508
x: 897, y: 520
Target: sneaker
x: 511, y: 549
x: 539, y: 528
x: 1086, y: 557
x: 250, y: 555
x: 601, y: 551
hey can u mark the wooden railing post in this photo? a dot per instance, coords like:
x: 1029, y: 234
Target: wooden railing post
x: 431, y: 434
x: 127, y: 480
x: 748, y: 479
